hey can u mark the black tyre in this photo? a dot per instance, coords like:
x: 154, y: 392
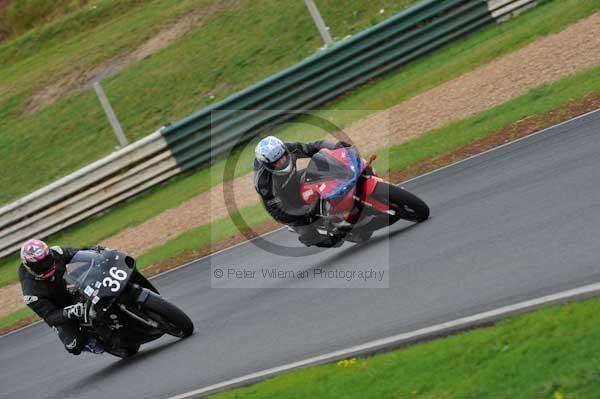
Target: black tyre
x: 171, y: 320
x: 407, y: 205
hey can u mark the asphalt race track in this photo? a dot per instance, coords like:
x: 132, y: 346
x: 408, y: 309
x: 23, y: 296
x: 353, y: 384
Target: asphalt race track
x: 513, y: 224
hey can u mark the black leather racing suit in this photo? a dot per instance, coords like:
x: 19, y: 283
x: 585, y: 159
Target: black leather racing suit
x: 47, y: 298
x: 281, y: 195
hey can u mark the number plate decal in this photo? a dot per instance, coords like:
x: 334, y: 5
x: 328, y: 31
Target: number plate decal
x: 114, y: 281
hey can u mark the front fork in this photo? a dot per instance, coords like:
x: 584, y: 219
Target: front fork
x: 138, y: 296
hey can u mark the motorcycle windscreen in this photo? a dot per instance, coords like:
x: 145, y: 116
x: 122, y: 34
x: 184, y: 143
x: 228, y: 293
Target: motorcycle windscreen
x: 323, y: 167
x: 85, y: 273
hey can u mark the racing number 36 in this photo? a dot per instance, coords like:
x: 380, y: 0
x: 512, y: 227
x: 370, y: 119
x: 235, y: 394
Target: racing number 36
x: 117, y: 275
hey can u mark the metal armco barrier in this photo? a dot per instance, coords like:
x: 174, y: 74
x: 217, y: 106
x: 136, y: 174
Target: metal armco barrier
x: 215, y: 130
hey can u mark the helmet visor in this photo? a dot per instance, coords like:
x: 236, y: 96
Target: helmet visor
x: 282, y: 166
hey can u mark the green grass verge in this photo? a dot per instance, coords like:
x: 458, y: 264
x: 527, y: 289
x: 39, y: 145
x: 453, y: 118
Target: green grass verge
x: 12, y: 318
x: 551, y: 353
x: 383, y: 93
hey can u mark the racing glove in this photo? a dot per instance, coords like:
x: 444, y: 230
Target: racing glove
x: 97, y: 248
x: 342, y: 144
x: 74, y: 311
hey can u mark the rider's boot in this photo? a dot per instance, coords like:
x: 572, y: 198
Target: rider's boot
x: 94, y: 346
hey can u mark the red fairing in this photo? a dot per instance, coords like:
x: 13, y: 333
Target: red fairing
x: 312, y: 191
x: 367, y: 191
x: 309, y: 192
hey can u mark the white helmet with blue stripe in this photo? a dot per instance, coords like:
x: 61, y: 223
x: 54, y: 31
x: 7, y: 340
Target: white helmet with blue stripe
x: 274, y: 155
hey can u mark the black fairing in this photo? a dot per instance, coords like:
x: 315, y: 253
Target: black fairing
x: 89, y: 272
x: 106, y: 280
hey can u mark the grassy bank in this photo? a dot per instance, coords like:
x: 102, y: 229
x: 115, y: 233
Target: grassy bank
x: 551, y: 353
x: 18, y: 17
x: 231, y: 45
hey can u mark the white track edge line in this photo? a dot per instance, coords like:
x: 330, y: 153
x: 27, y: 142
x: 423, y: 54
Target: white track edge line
x: 404, y: 182
x: 396, y: 339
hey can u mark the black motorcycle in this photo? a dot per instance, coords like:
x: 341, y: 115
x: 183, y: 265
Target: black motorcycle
x: 122, y: 308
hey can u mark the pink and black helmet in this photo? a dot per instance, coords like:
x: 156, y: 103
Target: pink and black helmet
x: 37, y: 259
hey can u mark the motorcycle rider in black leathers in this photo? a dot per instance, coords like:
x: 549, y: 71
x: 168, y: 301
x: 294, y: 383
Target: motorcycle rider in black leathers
x: 41, y: 276
x: 277, y: 181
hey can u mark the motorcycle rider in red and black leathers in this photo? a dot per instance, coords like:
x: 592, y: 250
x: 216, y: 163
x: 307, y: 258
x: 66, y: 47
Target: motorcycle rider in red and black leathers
x: 277, y: 181
x: 41, y: 276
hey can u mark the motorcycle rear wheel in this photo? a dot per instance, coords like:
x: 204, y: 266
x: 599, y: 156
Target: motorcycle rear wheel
x: 171, y: 320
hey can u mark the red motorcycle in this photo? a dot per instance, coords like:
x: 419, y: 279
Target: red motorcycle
x: 352, y: 200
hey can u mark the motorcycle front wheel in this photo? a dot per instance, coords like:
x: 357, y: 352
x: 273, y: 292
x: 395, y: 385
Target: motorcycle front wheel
x: 171, y: 320
x: 406, y: 205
